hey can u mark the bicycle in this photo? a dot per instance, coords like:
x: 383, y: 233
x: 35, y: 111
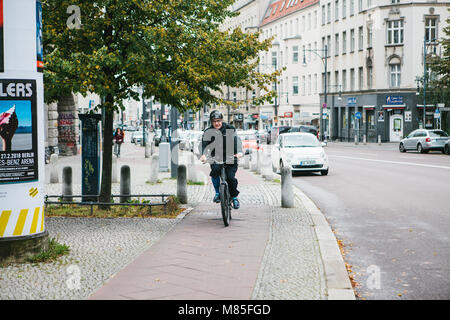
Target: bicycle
x: 225, y: 198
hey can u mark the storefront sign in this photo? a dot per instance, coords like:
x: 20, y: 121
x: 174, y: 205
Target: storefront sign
x: 394, y: 100
x: 380, y: 116
x: 18, y: 131
x: 408, y: 116
x: 351, y: 102
x: 288, y: 114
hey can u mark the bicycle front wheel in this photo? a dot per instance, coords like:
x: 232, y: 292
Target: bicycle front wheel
x: 225, y: 204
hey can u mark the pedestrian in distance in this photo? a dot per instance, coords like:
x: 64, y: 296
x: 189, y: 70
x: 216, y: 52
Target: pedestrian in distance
x: 118, y: 139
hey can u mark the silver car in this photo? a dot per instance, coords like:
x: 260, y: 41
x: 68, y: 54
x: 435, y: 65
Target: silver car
x: 447, y: 147
x: 423, y: 141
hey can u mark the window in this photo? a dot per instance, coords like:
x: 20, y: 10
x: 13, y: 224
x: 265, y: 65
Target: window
x: 361, y: 78
x: 274, y: 59
x: 315, y: 19
x: 360, y: 5
x: 369, y: 37
x: 344, y: 42
x: 336, y: 44
x: 395, y: 32
x: 336, y: 81
x: 369, y: 74
x: 329, y: 46
x: 309, y: 85
x: 360, y: 38
x: 303, y: 85
x: 352, y: 7
x: 309, y: 21
x: 395, y: 74
x: 430, y: 29
x: 352, y: 79
x: 336, y: 10
x: 295, y: 86
x: 315, y: 83
x: 323, y: 15
x: 344, y: 80
x: 329, y: 12
x: 344, y: 9
x: 295, y: 54
x: 352, y: 40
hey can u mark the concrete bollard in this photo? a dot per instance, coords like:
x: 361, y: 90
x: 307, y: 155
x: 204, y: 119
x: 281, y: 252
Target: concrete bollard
x: 192, y: 173
x: 182, y: 184
x: 154, y: 169
x: 53, y: 169
x: 356, y: 139
x: 287, y: 193
x: 114, y: 176
x: 125, y: 183
x: 258, y: 161
x: 148, y: 151
x: 67, y: 184
x: 267, y: 172
x: 152, y: 148
x: 379, y: 140
x: 253, y: 162
x: 365, y: 139
x: 247, y: 161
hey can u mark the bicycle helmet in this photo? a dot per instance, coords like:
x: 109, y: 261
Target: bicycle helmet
x: 215, y: 115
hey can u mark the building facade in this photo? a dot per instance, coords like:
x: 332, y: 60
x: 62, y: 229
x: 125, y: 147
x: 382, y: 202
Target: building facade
x: 376, y: 55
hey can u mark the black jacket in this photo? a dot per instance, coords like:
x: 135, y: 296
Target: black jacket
x: 228, y: 133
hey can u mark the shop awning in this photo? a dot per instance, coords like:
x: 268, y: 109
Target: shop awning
x: 399, y: 106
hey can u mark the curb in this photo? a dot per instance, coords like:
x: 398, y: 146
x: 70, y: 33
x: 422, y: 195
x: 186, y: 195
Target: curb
x: 336, y: 276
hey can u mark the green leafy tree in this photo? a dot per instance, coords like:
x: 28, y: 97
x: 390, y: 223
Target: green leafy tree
x: 174, y: 49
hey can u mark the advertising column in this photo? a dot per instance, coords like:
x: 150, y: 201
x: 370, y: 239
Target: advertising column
x: 22, y: 173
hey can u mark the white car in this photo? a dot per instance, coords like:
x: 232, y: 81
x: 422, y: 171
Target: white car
x: 299, y: 151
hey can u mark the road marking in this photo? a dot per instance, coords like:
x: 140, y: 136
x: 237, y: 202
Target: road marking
x: 396, y: 162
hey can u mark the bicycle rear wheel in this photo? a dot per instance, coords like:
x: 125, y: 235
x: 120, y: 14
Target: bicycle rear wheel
x: 225, y: 204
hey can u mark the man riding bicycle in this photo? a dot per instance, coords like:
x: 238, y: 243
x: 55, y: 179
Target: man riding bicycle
x: 221, y: 143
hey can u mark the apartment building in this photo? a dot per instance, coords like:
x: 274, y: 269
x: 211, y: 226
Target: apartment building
x: 295, y: 26
x: 376, y: 54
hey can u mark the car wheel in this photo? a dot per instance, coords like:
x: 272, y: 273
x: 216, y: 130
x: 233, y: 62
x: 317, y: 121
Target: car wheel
x: 447, y: 149
x: 402, y: 148
x: 324, y: 172
x: 420, y: 148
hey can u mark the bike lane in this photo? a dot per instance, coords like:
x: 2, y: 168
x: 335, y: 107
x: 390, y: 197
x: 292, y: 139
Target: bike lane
x: 199, y: 259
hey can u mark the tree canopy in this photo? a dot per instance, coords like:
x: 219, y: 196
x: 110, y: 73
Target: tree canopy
x: 174, y: 49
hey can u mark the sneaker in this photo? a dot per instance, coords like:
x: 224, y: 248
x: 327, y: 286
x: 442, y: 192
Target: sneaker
x: 235, y: 203
x: 216, y: 198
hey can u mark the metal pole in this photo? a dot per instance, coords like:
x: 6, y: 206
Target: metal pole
x: 143, y: 118
x: 325, y: 93
x: 424, y: 79
x: 228, y: 107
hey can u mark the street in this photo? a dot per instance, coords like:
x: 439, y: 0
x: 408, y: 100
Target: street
x: 391, y: 211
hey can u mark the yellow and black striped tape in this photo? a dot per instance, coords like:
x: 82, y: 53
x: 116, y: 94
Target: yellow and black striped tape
x: 26, y: 222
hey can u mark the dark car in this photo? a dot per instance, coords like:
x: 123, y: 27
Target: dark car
x: 275, y: 132
x: 304, y: 128
x: 447, y: 147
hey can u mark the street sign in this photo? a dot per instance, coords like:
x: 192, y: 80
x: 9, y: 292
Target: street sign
x: 324, y: 105
x: 437, y: 114
x: 358, y: 115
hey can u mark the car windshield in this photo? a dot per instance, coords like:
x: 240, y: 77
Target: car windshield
x: 300, y: 141
x: 438, y: 134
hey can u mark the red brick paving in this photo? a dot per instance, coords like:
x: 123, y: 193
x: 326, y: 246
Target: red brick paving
x: 199, y: 259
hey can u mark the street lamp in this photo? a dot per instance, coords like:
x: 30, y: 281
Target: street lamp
x: 276, y: 44
x: 324, y: 58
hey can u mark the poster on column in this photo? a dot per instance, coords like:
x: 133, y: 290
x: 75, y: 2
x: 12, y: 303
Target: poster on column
x: 2, y: 57
x: 39, y: 45
x: 18, y: 131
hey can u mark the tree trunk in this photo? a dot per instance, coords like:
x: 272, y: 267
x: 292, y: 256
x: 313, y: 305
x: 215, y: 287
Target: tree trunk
x: 105, y: 190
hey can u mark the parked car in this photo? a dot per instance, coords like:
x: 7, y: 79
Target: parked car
x: 249, y: 141
x: 262, y: 135
x: 137, y: 136
x: 193, y: 136
x: 275, y: 132
x: 304, y: 128
x: 157, y: 137
x: 183, y: 137
x: 424, y: 140
x: 447, y: 147
x: 300, y: 151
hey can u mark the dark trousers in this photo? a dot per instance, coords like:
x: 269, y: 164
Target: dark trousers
x: 230, y: 170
